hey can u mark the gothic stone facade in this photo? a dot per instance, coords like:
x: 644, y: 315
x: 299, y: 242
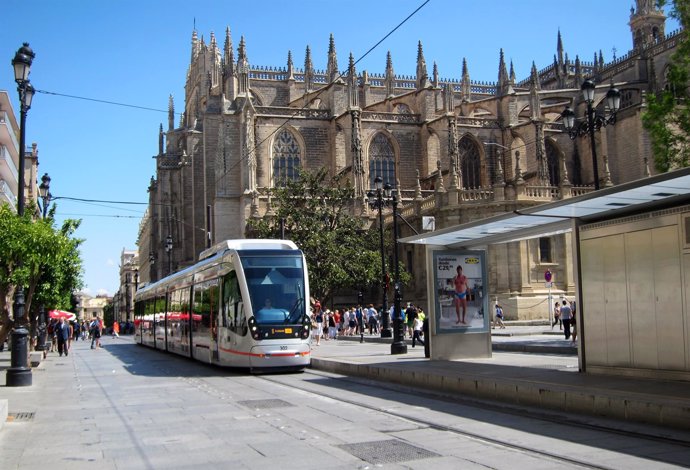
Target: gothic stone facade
x: 459, y: 150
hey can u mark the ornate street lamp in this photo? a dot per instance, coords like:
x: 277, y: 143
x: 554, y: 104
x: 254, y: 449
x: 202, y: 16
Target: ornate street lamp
x: 376, y: 200
x: 168, y: 250
x: 592, y: 121
x: 44, y: 193
x: 19, y: 372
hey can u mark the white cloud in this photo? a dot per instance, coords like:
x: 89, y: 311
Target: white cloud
x: 109, y: 262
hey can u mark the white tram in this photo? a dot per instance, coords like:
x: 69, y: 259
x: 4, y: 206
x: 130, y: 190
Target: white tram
x: 242, y: 305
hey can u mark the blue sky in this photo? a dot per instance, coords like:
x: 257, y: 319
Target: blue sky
x: 137, y: 52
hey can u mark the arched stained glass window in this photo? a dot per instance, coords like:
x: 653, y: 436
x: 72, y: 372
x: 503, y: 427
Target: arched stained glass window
x: 553, y: 163
x: 470, y: 163
x: 381, y: 160
x: 286, y: 158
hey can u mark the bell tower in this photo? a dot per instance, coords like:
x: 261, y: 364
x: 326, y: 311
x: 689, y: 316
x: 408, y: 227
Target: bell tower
x: 646, y: 23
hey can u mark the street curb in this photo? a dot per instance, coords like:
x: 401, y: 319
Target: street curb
x: 530, y: 348
x: 627, y: 407
x: 4, y: 405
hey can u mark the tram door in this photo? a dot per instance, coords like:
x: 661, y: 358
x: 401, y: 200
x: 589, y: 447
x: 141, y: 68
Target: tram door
x: 232, y: 312
x: 204, y: 330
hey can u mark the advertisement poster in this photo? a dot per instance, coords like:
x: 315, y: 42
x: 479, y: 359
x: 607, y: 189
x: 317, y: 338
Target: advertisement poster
x: 461, y: 303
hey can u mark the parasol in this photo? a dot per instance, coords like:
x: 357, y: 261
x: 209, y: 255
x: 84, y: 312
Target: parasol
x: 57, y: 314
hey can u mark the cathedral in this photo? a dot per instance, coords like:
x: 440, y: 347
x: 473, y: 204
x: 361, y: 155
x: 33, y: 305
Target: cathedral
x: 455, y: 149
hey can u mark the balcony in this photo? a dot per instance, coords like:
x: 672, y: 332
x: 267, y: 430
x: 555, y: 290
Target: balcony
x: 8, y: 170
x: 6, y: 194
x: 7, y: 133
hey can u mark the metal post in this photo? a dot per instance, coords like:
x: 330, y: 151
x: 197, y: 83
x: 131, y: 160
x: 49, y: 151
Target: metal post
x: 398, y: 346
x: 385, y: 324
x: 595, y: 163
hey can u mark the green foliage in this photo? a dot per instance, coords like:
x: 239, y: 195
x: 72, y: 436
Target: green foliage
x: 41, y: 258
x: 667, y: 118
x: 317, y: 215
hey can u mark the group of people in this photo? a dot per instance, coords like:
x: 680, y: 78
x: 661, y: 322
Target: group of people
x: 357, y: 320
x: 63, y: 332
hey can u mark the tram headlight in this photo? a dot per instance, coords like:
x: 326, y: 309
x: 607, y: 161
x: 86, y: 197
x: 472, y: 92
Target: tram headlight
x: 306, y: 327
x: 254, y: 328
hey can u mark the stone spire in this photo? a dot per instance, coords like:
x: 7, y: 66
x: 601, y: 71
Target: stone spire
x: 195, y: 45
x: 435, y: 81
x: 390, y: 76
x: 534, y: 88
x: 422, y: 77
x: 308, y: 71
x: 578, y: 72
x: 228, y: 54
x: 512, y: 73
x: 503, y: 79
x: 559, y: 48
x: 243, y: 68
x: 352, y: 85
x: 171, y: 113
x: 465, y: 83
x: 290, y: 67
x: 332, y: 69
x: 160, y: 140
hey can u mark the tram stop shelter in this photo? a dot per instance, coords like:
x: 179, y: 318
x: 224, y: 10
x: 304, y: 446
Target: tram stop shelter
x: 631, y: 263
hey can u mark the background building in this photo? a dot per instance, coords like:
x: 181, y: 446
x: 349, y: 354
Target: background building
x: 453, y: 148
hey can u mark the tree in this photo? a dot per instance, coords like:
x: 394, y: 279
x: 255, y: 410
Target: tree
x: 316, y: 215
x: 45, y: 261
x: 667, y: 118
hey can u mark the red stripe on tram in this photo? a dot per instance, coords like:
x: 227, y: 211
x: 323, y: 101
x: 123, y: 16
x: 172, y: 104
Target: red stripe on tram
x: 242, y: 353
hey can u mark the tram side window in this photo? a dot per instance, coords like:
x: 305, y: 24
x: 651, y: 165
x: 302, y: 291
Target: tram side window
x: 231, y: 298
x: 205, y: 302
x: 178, y: 314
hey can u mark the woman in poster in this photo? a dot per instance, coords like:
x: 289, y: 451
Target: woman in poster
x: 460, y: 281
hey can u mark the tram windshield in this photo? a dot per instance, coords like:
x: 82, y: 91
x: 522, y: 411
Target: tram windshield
x: 276, y: 288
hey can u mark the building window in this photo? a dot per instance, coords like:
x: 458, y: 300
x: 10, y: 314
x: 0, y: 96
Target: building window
x: 545, y: 250
x: 470, y: 163
x: 286, y: 158
x: 381, y: 160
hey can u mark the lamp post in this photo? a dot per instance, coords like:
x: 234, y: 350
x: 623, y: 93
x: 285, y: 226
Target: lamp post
x: 127, y: 296
x: 376, y: 200
x: 398, y: 346
x: 168, y: 250
x: 19, y: 372
x: 44, y: 193
x: 592, y: 121
x: 152, y: 264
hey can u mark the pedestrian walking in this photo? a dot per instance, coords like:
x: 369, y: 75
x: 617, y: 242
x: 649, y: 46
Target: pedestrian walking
x: 557, y: 316
x: 116, y: 329
x: 417, y: 331
x: 318, y: 320
x: 566, y: 318
x: 62, y: 334
x: 499, y: 317
x: 95, y: 329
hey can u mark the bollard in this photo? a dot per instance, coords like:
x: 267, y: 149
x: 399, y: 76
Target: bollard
x: 361, y: 336
x: 19, y: 373
x: 427, y: 337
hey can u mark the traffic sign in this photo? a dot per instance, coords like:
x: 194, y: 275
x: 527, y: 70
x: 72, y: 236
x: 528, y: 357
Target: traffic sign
x: 548, y: 275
